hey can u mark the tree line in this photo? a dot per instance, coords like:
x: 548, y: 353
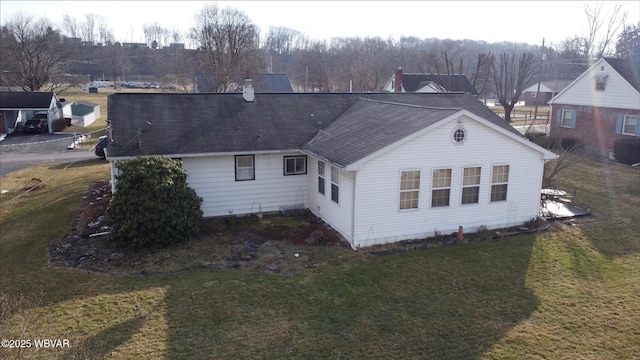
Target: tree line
x: 37, y: 55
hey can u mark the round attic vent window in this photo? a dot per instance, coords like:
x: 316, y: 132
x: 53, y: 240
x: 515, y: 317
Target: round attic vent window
x: 459, y: 136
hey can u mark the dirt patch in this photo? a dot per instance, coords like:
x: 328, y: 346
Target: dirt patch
x: 271, y: 243
x: 34, y: 184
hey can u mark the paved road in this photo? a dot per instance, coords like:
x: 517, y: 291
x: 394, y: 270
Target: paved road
x: 18, y: 151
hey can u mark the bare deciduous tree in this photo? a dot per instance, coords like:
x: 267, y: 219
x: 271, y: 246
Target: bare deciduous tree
x: 113, y: 60
x: 512, y: 74
x: 88, y: 28
x: 283, y: 40
x: 70, y: 26
x: 312, y: 68
x: 602, y: 29
x: 363, y: 62
x: 225, y: 38
x: 628, y: 44
x: 33, y: 56
x: 105, y: 35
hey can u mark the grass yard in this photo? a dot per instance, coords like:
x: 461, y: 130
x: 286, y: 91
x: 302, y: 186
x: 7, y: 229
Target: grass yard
x: 569, y: 293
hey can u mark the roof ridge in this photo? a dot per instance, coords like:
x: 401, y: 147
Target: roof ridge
x: 411, y: 105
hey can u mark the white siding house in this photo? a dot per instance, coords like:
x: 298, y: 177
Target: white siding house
x: 371, y: 187
x: 214, y: 179
x: 378, y: 168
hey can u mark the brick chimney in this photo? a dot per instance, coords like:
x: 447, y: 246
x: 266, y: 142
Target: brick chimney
x: 247, y: 91
x: 397, y: 84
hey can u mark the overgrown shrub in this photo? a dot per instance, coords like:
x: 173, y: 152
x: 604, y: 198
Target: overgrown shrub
x: 541, y: 139
x: 152, y: 205
x: 571, y: 144
x: 627, y: 151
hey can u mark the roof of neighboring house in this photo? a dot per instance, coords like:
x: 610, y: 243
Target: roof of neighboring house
x: 262, y: 83
x: 25, y: 100
x: 629, y: 69
x: 210, y: 123
x: 452, y: 83
x: 554, y: 86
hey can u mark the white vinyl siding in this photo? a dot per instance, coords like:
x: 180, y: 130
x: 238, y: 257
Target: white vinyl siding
x: 339, y: 216
x: 213, y: 178
x: 618, y: 93
x: 377, y: 219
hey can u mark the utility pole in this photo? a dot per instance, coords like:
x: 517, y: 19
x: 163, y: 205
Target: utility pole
x: 535, y: 113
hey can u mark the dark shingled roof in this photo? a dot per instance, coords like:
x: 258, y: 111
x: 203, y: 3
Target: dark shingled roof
x: 184, y: 124
x: 357, y: 134
x: 453, y: 83
x: 262, y: 83
x: 25, y: 100
x: 628, y: 69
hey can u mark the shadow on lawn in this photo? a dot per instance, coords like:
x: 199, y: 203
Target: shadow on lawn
x: 97, y: 347
x: 448, y: 303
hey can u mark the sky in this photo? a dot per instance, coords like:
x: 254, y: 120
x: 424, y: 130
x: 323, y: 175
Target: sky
x: 490, y: 21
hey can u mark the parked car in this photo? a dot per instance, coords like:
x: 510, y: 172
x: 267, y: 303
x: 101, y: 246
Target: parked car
x: 103, y: 141
x: 35, y: 126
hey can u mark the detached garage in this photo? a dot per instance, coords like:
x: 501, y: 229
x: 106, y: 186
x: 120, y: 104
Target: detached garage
x: 18, y: 107
x: 82, y: 113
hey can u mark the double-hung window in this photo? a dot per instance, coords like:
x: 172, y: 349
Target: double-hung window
x: 335, y: 184
x: 566, y: 119
x: 440, y: 187
x: 409, y: 189
x: 321, y: 177
x: 295, y: 165
x: 245, y: 169
x: 471, y: 185
x: 499, y: 182
x: 630, y: 125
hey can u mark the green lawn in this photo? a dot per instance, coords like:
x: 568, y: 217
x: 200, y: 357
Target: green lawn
x: 570, y: 293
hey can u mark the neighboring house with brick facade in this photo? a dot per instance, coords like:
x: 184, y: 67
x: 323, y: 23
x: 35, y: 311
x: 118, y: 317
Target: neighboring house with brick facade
x: 541, y: 95
x: 601, y: 106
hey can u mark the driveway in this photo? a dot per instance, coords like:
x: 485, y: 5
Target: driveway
x: 19, y: 151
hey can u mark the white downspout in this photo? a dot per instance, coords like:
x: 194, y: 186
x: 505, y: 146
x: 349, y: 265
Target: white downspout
x: 353, y: 212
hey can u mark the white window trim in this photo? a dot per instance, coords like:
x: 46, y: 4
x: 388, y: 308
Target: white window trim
x: 463, y: 186
x: 633, y: 119
x: 400, y: 191
x: 335, y: 183
x: 498, y: 183
x: 563, y: 118
x: 322, y: 176
x: 441, y: 188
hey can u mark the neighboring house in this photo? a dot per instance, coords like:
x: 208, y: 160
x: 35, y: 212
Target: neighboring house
x: 377, y: 167
x: 262, y: 83
x: 600, y: 106
x: 406, y: 82
x: 18, y: 107
x: 548, y: 89
x: 82, y: 113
